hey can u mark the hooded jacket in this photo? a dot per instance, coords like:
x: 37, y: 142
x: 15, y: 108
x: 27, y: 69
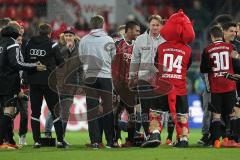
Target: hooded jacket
x: 42, y: 49
x: 11, y: 61
x: 97, y: 51
x: 143, y: 56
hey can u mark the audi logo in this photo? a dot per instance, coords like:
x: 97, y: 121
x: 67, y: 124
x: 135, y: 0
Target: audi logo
x: 37, y: 52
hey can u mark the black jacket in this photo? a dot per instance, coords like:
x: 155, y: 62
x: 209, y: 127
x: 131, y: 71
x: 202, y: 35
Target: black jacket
x: 11, y: 61
x: 236, y: 63
x: 71, y: 57
x: 42, y: 49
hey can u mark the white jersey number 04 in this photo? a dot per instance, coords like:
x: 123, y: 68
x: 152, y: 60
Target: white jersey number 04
x: 169, y: 62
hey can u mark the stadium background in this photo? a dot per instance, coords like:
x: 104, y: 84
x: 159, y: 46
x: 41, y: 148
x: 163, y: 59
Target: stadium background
x: 64, y: 13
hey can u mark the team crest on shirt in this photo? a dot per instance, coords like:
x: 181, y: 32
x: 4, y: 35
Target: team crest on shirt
x: 127, y: 57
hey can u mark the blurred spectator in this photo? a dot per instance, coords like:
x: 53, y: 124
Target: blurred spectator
x: 200, y: 16
x: 4, y: 22
x: 166, y: 10
x: 238, y: 31
x: 31, y: 27
x: 135, y: 2
x: 58, y: 26
x: 81, y: 23
x: 28, y: 12
x: 75, y: 4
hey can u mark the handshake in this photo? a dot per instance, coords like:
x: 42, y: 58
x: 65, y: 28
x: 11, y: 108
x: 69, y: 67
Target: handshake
x: 41, y: 67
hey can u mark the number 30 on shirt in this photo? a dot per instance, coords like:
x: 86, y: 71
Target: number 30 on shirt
x: 221, y: 61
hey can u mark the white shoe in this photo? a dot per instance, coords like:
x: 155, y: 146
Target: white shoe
x: 22, y: 140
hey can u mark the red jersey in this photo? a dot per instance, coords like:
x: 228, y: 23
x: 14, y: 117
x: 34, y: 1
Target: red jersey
x: 121, y: 63
x: 216, y: 61
x: 173, y: 61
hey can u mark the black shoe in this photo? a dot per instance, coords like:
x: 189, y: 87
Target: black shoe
x: 95, y: 146
x: 37, y: 145
x: 154, y: 140
x: 62, y: 144
x: 109, y: 145
x: 67, y: 143
x: 209, y: 142
x: 204, y: 140
x: 181, y: 144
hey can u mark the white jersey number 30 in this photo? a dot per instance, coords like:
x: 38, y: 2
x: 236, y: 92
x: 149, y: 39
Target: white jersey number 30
x: 221, y: 61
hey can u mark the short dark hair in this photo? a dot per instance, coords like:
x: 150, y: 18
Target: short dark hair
x: 45, y: 29
x: 222, y: 19
x: 4, y: 22
x: 156, y: 17
x: 227, y: 25
x: 130, y: 25
x: 97, y: 22
x: 216, y: 31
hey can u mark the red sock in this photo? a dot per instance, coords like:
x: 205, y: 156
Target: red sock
x: 180, y: 128
x: 157, y: 117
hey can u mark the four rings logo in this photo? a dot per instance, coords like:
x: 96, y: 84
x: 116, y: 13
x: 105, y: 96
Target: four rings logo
x: 37, y: 52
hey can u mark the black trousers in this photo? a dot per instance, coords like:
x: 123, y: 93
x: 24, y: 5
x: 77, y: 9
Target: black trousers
x: 6, y: 120
x: 23, y: 110
x: 146, y: 104
x: 37, y: 92
x: 99, y: 91
x: 119, y: 105
x: 66, y: 102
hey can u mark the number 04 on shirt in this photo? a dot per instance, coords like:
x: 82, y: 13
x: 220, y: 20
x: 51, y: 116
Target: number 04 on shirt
x: 173, y: 60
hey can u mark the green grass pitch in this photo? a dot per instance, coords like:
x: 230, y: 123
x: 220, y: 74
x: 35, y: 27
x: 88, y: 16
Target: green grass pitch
x: 77, y: 151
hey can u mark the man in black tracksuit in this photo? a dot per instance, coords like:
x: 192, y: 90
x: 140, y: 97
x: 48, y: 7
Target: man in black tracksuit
x: 41, y: 48
x: 69, y: 51
x: 11, y: 61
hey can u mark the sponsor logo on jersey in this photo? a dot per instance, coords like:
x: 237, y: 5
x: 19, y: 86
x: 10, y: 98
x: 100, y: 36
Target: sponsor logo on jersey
x: 37, y: 52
